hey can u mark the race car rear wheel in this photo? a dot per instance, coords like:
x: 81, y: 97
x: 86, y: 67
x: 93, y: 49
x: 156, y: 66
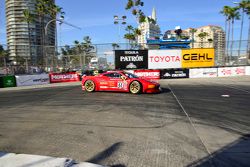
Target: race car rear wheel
x: 89, y: 86
x: 135, y: 87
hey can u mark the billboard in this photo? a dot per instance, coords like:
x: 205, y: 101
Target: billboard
x: 131, y: 59
x: 164, y: 59
x: 197, y: 57
x: 174, y: 73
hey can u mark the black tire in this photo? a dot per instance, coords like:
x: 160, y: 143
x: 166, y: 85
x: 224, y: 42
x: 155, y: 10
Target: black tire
x: 135, y: 87
x: 89, y: 86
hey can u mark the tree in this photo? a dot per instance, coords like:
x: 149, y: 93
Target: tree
x: 84, y: 49
x: 202, y: 35
x: 243, y: 6
x: 226, y: 11
x: 248, y: 42
x: 43, y: 9
x: 4, y: 56
x: 28, y: 18
x: 132, y: 35
x: 115, y: 46
x: 78, y: 48
x: 135, y: 7
x: 233, y: 15
x: 192, y: 31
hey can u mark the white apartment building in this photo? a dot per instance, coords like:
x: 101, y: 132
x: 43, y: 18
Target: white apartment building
x: 149, y: 29
x: 26, y: 41
x: 215, y: 39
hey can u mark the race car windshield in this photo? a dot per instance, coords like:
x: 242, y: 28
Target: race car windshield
x: 130, y: 75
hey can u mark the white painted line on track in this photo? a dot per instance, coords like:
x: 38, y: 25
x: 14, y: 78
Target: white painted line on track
x: 191, y: 122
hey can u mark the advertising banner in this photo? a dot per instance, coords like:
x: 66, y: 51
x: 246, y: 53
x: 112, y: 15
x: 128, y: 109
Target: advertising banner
x: 238, y: 71
x: 203, y: 73
x: 225, y: 72
x: 64, y: 77
x: 148, y: 74
x: 131, y: 59
x: 174, y: 73
x: 231, y: 71
x: 27, y: 80
x: 7, y: 81
x: 247, y: 70
x: 197, y: 58
x: 163, y: 59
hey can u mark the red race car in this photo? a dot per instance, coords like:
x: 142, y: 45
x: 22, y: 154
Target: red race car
x: 119, y: 81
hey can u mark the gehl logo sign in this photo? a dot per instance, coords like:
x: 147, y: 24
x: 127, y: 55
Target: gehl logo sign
x: 197, y: 58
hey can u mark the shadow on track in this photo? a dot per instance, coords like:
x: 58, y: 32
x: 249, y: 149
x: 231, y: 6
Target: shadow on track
x: 97, y: 159
x: 234, y: 154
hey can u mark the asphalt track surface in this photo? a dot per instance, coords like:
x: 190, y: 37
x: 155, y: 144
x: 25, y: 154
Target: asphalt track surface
x: 193, y: 122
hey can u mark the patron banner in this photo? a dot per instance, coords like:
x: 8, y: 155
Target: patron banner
x: 174, y: 73
x: 27, y: 80
x: 197, y: 58
x: 64, y: 77
x: 163, y: 59
x: 131, y: 59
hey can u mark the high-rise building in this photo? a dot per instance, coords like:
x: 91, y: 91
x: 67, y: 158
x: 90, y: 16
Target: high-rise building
x: 215, y: 38
x: 149, y: 29
x: 28, y: 40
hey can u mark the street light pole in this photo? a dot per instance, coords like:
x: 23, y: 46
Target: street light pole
x: 60, y: 20
x: 123, y: 22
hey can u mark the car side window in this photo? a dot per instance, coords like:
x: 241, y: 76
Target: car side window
x: 113, y: 75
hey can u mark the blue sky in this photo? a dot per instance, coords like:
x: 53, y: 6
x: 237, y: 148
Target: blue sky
x: 95, y: 17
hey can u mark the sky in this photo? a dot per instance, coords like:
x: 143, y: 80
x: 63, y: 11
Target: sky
x: 95, y: 17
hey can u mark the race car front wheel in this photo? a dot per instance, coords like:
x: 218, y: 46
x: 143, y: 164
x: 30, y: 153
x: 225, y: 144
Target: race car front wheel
x: 89, y: 86
x: 135, y: 87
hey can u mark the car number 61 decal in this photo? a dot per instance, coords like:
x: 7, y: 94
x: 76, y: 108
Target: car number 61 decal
x: 122, y: 85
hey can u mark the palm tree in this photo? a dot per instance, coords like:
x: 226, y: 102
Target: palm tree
x: 115, y: 45
x: 45, y: 8
x: 225, y: 12
x: 202, y: 35
x: 4, y: 54
x: 78, y: 51
x: 28, y: 18
x: 233, y: 15
x: 135, y: 7
x: 192, y: 31
x: 248, y: 41
x: 242, y: 5
x: 129, y: 28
